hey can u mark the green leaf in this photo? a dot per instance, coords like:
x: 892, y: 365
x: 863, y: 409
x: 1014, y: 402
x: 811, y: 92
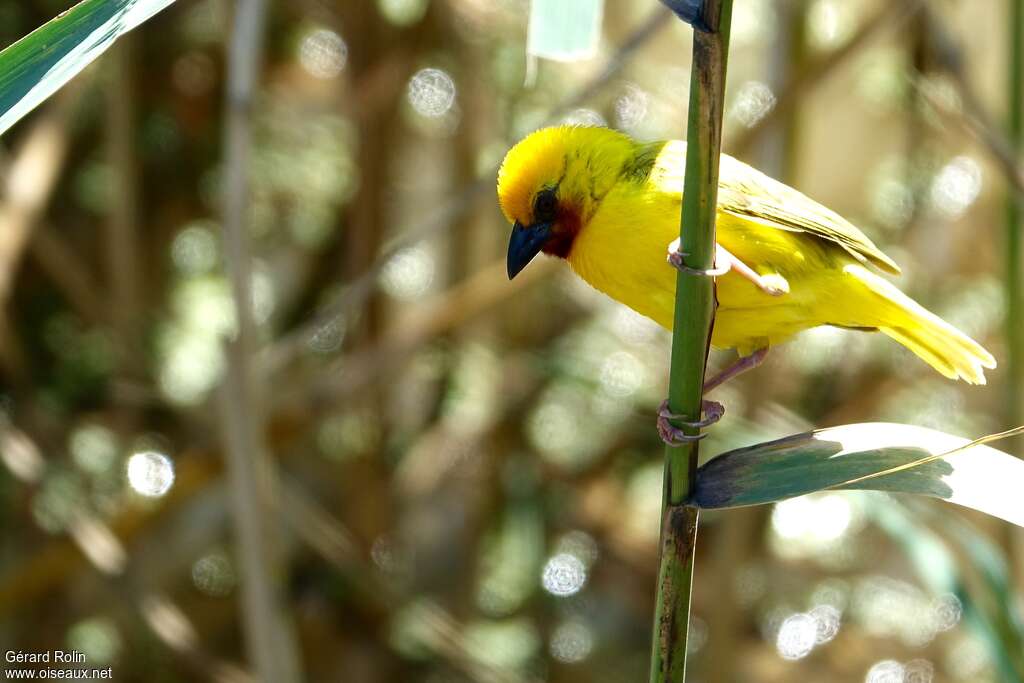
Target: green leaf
x: 846, y: 457
x: 34, y: 68
x: 564, y: 30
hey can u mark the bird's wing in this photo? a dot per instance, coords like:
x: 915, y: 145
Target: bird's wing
x: 746, y: 192
x: 750, y: 194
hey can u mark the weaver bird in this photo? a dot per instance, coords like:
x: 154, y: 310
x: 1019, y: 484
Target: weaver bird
x: 610, y: 206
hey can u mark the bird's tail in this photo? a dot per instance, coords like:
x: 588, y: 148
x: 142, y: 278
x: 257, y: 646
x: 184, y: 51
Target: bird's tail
x: 931, y: 338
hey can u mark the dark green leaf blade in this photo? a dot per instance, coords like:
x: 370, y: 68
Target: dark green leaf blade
x: 979, y: 477
x: 36, y: 66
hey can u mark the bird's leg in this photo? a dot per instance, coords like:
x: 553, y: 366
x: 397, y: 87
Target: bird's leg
x: 673, y: 435
x: 773, y: 285
x: 675, y: 259
x: 741, y: 365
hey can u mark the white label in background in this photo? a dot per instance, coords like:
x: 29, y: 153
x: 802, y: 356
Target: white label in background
x: 564, y: 30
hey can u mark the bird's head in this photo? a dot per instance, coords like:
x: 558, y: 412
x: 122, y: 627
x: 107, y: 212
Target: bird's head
x: 551, y: 183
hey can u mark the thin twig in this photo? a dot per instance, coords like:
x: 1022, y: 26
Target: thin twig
x: 123, y: 253
x: 269, y: 639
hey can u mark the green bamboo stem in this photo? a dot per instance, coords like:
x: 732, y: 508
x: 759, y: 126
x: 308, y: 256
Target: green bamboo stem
x: 1014, y: 243
x: 694, y: 316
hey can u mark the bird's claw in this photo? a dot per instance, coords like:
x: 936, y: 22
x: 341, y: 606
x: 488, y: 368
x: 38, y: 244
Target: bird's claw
x: 675, y: 259
x: 675, y: 436
x: 771, y: 284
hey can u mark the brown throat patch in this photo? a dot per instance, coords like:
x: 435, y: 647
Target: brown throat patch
x: 564, y: 232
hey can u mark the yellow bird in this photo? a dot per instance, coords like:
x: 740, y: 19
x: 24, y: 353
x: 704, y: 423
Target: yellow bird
x: 610, y: 206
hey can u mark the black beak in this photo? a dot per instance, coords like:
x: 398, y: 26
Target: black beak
x: 525, y: 243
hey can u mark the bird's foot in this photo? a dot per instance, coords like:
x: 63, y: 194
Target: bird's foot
x: 675, y: 436
x: 675, y: 259
x: 772, y: 284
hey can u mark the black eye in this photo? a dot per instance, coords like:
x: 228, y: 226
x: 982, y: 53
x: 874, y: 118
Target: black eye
x: 545, y: 206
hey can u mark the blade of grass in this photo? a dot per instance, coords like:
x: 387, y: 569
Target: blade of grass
x: 694, y: 317
x: 36, y: 66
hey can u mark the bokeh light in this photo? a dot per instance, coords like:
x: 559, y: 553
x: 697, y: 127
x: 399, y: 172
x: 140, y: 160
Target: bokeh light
x: 403, y: 12
x: 214, y: 574
x: 752, y: 103
x: 885, y: 671
x: 264, y: 294
x: 94, y: 448
x: 797, y: 636
x: 891, y: 196
x: 194, y: 250
x: 584, y: 117
x: 59, y: 500
x: 946, y: 612
x: 631, y: 107
x: 564, y: 575
x: 472, y: 400
x: 956, y: 186
x: 97, y: 638
x: 815, y: 525
x: 408, y: 274
x: 968, y: 658
x: 918, y: 671
x: 431, y: 92
x: 579, y: 544
x: 829, y: 23
x: 190, y: 344
x: 643, y: 502
x: 323, y: 53
x: 505, y: 644
x: 888, y: 607
x: 572, y: 641
x: 328, y: 336
x: 622, y: 374
x: 512, y: 556
x: 150, y: 474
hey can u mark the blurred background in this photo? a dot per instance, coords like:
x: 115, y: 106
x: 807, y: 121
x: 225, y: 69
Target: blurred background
x: 405, y: 467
